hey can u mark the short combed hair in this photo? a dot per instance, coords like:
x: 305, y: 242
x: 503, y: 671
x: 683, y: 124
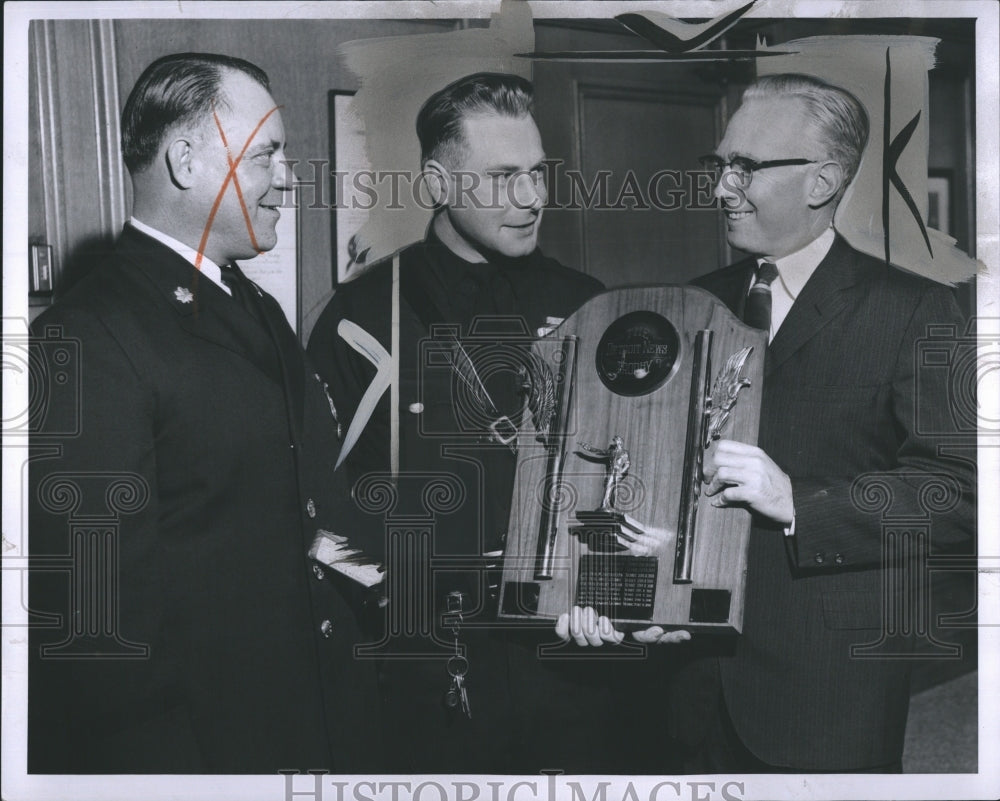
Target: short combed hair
x: 439, y: 123
x: 840, y: 118
x: 174, y: 90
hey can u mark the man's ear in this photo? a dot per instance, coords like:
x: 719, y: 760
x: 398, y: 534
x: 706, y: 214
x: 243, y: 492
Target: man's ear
x: 180, y: 162
x: 437, y: 179
x: 826, y: 185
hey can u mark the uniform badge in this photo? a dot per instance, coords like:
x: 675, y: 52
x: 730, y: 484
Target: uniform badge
x: 183, y: 295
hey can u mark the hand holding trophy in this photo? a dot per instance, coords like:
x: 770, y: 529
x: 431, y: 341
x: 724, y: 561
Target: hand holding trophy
x: 586, y: 628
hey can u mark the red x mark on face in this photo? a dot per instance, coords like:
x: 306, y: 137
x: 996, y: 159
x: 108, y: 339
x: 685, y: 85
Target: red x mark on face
x: 231, y: 176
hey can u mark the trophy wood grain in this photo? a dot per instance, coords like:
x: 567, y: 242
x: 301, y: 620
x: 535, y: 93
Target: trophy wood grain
x: 653, y: 427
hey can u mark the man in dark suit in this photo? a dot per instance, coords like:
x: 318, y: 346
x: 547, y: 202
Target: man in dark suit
x: 470, y: 298
x: 798, y: 691
x: 185, y: 629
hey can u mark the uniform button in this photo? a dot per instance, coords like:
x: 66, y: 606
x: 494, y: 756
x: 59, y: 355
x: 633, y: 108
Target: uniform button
x: 838, y: 559
x: 326, y: 628
x: 318, y: 572
x: 416, y: 408
x: 310, y: 508
x: 819, y: 558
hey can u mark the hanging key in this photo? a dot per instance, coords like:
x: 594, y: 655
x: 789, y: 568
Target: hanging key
x: 458, y: 666
x: 453, y: 696
x: 463, y: 696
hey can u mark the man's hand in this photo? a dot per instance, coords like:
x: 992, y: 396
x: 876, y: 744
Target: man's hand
x: 651, y: 541
x: 655, y: 635
x: 743, y: 474
x: 585, y: 627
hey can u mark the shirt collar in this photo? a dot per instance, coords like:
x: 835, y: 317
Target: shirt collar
x: 450, y: 271
x: 208, y: 267
x: 795, y: 269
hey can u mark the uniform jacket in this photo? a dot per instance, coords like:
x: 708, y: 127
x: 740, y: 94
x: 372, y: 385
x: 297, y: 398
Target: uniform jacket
x: 204, y: 453
x: 455, y: 485
x: 443, y: 431
x: 842, y: 393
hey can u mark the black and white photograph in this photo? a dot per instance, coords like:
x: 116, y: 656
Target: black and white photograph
x: 501, y: 400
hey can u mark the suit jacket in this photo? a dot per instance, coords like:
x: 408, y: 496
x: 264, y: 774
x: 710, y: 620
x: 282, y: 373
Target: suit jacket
x: 839, y: 402
x: 193, y: 458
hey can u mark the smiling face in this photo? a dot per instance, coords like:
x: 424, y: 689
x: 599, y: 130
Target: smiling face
x: 248, y: 122
x: 494, y: 197
x: 777, y: 213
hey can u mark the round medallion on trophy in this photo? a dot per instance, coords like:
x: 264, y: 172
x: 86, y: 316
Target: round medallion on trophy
x: 637, y: 353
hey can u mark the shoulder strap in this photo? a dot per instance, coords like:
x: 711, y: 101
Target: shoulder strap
x: 394, y: 384
x: 418, y: 298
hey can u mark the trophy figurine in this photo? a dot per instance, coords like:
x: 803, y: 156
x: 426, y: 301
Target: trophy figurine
x: 618, y: 464
x: 605, y: 528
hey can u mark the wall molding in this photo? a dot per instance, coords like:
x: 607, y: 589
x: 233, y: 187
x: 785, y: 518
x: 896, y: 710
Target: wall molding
x: 104, y: 75
x: 83, y: 185
x: 50, y: 173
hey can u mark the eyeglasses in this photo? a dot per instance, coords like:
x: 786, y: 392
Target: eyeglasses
x: 743, y: 168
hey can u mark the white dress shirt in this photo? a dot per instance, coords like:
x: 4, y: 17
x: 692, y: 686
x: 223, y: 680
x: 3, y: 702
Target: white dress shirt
x: 208, y: 267
x: 793, y: 272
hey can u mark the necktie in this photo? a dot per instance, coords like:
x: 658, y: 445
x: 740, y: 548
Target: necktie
x: 286, y: 345
x: 241, y: 289
x: 757, y: 311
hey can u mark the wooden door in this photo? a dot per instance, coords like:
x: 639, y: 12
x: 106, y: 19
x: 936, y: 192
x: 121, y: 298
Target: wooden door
x: 628, y: 203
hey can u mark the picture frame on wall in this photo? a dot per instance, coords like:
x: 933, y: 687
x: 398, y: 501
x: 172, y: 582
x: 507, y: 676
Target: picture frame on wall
x: 940, y: 213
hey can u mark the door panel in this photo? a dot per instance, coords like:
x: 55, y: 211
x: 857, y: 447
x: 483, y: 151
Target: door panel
x: 614, y: 130
x: 659, y: 223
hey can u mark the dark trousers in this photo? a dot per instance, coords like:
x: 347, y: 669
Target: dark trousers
x: 722, y: 751
x: 584, y: 711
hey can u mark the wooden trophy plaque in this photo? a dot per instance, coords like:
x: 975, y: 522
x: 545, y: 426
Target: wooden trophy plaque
x: 623, y: 400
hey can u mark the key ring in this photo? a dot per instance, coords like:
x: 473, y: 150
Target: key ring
x: 457, y: 666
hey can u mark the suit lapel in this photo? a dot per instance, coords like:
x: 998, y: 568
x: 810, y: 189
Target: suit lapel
x: 730, y: 284
x: 203, y: 309
x: 825, y: 295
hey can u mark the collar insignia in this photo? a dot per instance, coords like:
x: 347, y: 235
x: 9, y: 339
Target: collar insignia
x: 183, y: 295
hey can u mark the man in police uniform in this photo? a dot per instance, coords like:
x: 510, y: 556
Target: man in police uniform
x: 478, y: 283
x: 204, y: 640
